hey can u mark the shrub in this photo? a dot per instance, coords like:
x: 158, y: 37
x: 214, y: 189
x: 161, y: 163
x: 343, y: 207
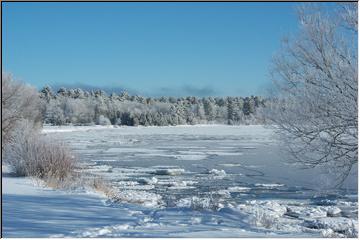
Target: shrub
x: 32, y: 154
x: 261, y: 219
x: 103, y: 120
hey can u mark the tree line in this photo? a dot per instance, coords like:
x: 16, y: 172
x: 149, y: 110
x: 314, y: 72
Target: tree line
x: 81, y: 107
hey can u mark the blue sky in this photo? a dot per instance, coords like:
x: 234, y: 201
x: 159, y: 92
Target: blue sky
x: 153, y: 49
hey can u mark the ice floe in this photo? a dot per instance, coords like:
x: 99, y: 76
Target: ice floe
x: 269, y: 185
x: 152, y: 180
x: 239, y: 189
x: 169, y: 171
x: 217, y: 172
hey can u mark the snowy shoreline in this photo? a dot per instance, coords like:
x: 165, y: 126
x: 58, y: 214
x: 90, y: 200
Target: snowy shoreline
x: 181, y: 181
x: 30, y: 210
x: 70, y: 128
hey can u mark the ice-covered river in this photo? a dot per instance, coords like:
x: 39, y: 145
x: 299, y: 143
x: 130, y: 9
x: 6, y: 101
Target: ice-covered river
x: 237, y: 174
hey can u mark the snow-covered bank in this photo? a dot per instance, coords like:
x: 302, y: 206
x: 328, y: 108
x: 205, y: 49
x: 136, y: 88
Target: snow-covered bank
x: 32, y: 211
x: 201, y: 129
x: 52, y: 129
x: 184, y: 181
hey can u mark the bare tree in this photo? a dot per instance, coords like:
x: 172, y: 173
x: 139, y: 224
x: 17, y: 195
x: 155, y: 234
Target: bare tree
x: 18, y: 101
x: 316, y: 85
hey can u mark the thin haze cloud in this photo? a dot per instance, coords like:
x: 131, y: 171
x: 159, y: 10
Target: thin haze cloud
x: 187, y: 90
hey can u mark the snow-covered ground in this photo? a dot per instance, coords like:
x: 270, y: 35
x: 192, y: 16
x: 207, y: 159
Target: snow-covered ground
x: 183, y: 181
x: 32, y: 211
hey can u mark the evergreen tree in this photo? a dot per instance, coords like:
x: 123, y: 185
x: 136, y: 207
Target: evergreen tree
x: 75, y: 106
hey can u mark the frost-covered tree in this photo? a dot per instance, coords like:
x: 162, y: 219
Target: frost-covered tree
x: 209, y: 109
x: 231, y: 111
x: 79, y: 107
x: 200, y: 112
x: 47, y: 93
x: 316, y: 87
x: 18, y: 101
x: 103, y: 120
x: 249, y: 106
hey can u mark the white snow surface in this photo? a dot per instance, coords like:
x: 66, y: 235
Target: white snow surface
x: 183, y: 181
x: 52, y: 129
x: 30, y: 210
x: 33, y: 211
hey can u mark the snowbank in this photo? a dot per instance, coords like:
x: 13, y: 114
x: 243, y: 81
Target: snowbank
x: 30, y: 210
x: 53, y: 129
x: 246, y: 131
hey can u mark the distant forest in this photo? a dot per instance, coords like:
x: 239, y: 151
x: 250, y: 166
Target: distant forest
x: 80, y: 107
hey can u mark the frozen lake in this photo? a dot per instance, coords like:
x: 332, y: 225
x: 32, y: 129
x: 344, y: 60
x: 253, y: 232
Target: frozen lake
x: 182, y: 161
x: 216, y: 180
